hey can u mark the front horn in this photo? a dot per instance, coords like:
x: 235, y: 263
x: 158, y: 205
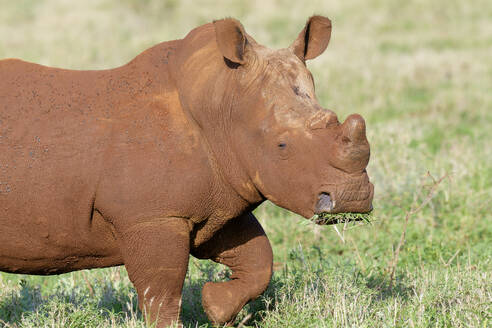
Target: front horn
x: 354, y: 128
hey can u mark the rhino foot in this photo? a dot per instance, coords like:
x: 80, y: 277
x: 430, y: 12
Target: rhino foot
x: 222, y: 301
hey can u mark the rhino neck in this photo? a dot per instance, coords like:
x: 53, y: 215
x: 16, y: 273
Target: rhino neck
x: 207, y: 91
x: 234, y: 182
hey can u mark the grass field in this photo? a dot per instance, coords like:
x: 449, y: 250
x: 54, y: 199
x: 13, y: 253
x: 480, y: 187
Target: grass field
x: 420, y: 72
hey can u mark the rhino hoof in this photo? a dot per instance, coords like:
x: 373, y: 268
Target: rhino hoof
x: 219, y: 303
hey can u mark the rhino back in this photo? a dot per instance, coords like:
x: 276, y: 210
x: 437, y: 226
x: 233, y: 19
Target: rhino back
x: 53, y: 132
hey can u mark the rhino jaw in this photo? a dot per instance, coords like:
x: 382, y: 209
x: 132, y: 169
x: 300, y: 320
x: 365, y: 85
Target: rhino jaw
x: 324, y: 204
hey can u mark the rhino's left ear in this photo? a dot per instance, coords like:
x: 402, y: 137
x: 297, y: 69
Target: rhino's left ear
x: 231, y: 39
x: 313, y: 39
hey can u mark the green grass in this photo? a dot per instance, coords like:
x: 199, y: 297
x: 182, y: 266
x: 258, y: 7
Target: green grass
x: 337, y: 218
x: 419, y: 72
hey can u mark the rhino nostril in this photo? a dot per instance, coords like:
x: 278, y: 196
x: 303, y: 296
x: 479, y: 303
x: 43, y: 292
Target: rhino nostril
x: 325, y: 203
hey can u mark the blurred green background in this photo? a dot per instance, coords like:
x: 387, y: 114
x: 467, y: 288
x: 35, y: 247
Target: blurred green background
x: 420, y: 72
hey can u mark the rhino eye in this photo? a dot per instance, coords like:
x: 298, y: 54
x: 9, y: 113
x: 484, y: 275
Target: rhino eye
x: 283, y: 150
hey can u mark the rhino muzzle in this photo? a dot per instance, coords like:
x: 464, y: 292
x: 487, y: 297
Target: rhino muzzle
x: 354, y: 195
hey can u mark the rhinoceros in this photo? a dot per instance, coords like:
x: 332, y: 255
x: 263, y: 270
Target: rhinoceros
x: 167, y: 156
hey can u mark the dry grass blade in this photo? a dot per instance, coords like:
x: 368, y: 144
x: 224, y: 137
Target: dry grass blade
x: 243, y: 322
x: 394, y: 261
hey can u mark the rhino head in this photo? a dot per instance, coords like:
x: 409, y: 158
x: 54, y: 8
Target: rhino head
x: 258, y: 110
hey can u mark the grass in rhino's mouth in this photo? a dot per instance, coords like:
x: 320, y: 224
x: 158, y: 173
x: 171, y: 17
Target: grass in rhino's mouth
x: 335, y: 218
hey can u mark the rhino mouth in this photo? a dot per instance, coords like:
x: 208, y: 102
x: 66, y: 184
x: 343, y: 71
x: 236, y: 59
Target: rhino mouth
x: 325, y: 212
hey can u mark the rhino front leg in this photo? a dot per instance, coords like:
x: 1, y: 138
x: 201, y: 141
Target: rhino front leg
x: 155, y: 254
x: 243, y: 246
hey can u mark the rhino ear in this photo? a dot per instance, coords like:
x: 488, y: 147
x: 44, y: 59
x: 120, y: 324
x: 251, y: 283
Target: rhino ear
x: 231, y: 39
x: 313, y: 39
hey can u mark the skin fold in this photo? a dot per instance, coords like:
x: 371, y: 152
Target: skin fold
x: 167, y: 156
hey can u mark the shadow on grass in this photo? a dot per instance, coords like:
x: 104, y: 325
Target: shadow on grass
x: 28, y: 299
x: 104, y: 300
x: 192, y: 313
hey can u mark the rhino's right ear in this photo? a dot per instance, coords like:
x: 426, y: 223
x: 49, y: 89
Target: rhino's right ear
x: 313, y: 39
x: 231, y: 39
